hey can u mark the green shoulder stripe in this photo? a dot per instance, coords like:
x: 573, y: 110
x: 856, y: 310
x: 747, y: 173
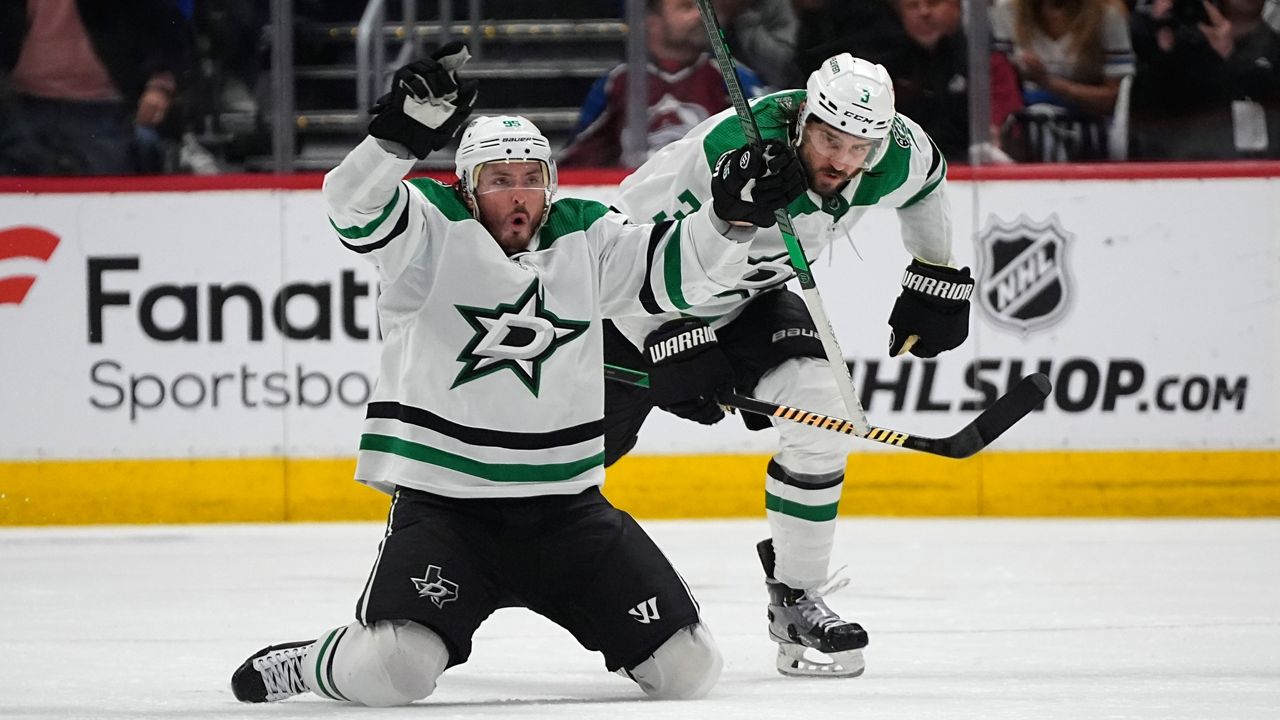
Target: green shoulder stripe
x: 774, y: 115
x: 934, y: 181
x: 672, y: 275
x: 569, y: 215
x: 443, y: 197
x: 359, y: 232
x: 891, y: 172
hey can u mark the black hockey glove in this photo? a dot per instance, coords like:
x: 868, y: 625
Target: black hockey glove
x: 934, y: 306
x: 749, y: 185
x: 427, y: 104
x: 687, y: 370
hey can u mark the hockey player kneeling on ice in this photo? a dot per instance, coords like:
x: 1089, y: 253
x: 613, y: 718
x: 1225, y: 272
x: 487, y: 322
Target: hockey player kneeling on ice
x: 485, y: 427
x: 857, y: 153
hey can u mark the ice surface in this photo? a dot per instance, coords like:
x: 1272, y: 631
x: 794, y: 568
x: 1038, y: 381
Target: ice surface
x: 1028, y: 619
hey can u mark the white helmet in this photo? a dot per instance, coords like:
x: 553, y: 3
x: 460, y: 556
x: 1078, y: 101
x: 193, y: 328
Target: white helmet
x: 852, y: 95
x: 502, y: 138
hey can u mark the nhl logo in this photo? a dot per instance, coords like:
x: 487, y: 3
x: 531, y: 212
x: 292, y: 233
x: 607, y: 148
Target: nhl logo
x: 1024, y: 281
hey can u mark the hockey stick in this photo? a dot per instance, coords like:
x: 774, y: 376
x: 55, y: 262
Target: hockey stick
x: 981, y: 432
x: 799, y: 263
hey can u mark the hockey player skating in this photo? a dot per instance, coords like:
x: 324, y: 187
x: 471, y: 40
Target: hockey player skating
x: 857, y: 153
x: 486, y: 424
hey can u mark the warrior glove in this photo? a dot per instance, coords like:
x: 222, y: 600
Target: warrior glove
x: 427, y: 104
x: 934, y: 307
x: 687, y: 370
x: 750, y: 184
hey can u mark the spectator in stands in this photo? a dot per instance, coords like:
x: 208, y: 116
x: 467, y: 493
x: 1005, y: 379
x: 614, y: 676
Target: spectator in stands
x: 86, y: 83
x: 231, y: 34
x: 865, y: 28
x: 762, y: 35
x: 930, y: 77
x: 1072, y: 56
x: 685, y: 88
x: 1208, y: 82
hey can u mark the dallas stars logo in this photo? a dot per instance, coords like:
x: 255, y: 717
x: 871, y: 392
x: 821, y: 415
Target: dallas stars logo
x: 434, y: 585
x: 518, y: 337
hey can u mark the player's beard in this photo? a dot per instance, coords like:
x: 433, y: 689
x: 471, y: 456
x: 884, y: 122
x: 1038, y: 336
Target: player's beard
x: 826, y: 180
x: 515, y: 230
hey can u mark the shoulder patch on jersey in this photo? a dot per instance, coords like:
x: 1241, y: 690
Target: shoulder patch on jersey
x: 901, y: 133
x: 569, y: 215
x: 443, y: 197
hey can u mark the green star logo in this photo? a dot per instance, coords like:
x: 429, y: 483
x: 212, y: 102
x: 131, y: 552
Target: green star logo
x: 519, y: 337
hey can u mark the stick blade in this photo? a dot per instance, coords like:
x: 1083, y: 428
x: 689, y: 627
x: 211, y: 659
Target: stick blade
x: 1008, y: 409
x: 1014, y: 405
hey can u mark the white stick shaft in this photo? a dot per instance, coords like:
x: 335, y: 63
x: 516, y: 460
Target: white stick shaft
x: 835, y: 358
x: 795, y: 252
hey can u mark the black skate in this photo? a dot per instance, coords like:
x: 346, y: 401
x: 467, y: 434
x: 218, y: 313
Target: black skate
x: 273, y: 673
x: 800, y: 620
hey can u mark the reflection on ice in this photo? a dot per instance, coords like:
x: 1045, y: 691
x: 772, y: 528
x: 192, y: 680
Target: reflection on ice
x: 968, y: 619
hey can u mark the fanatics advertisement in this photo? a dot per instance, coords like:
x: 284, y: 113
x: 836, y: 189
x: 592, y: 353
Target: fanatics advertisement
x: 228, y: 324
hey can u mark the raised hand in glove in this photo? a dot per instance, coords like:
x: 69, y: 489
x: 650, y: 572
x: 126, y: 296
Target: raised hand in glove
x: 749, y: 184
x: 933, y: 308
x: 427, y: 104
x: 687, y: 370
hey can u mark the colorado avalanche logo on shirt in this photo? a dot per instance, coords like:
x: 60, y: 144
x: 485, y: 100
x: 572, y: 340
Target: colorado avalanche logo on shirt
x: 519, y: 337
x: 1024, y: 279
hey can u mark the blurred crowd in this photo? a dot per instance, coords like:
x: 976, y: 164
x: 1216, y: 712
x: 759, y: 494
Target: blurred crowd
x: 96, y: 87
x: 1069, y: 80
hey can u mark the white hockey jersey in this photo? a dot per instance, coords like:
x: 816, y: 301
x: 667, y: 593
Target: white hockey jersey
x: 491, y: 380
x: 910, y: 175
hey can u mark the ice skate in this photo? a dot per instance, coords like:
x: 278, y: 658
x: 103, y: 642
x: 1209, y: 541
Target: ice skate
x: 800, y: 620
x: 273, y: 673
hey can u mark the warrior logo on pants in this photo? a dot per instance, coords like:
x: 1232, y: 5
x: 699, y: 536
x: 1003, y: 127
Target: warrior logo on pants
x: 646, y: 612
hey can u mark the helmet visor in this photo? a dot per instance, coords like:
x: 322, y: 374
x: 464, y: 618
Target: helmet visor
x: 507, y: 175
x: 839, y: 148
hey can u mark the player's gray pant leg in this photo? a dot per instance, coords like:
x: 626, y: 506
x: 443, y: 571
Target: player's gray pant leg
x: 806, y: 476
x: 685, y: 667
x: 391, y: 662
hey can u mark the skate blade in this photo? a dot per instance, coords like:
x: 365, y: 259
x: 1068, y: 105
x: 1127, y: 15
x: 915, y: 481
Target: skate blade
x: 793, y: 663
